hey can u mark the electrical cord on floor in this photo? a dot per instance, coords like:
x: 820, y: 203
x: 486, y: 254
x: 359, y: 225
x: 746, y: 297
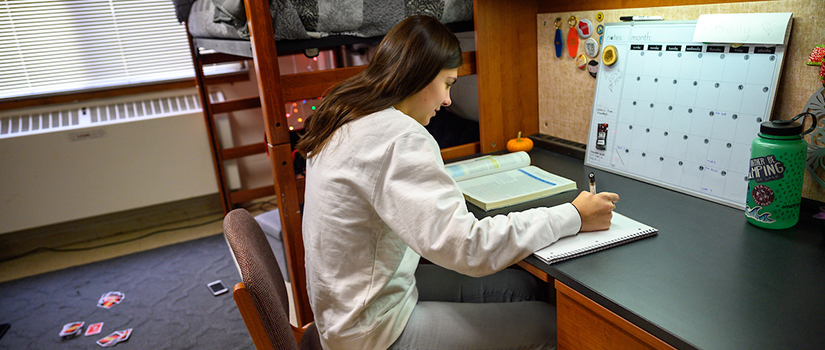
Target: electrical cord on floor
x: 260, y: 206
x: 64, y: 250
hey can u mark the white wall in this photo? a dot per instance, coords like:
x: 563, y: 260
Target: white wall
x: 54, y: 177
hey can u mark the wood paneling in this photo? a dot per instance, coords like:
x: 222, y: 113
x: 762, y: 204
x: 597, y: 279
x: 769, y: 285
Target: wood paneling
x: 506, y: 62
x: 584, y: 324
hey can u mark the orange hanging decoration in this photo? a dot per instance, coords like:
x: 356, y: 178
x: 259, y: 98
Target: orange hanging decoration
x: 572, y: 37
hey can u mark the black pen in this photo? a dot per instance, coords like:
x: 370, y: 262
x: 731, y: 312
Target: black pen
x: 641, y: 18
x: 592, y: 183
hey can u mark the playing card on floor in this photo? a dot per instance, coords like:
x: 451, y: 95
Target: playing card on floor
x: 94, y: 328
x: 110, y: 299
x: 71, y: 329
x: 110, y: 340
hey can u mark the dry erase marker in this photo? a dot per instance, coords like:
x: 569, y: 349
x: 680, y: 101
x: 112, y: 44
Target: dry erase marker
x: 641, y: 18
x: 592, y: 183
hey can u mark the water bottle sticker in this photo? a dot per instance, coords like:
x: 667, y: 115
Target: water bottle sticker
x: 764, y: 169
x: 753, y: 213
x: 762, y: 195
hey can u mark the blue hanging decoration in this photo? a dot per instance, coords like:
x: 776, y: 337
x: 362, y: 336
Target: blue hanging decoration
x: 558, y: 40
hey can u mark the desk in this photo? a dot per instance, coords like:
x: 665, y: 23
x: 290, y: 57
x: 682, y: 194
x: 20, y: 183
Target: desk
x: 708, y: 280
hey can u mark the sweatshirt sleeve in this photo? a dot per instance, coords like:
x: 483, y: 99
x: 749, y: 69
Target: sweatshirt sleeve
x: 419, y: 201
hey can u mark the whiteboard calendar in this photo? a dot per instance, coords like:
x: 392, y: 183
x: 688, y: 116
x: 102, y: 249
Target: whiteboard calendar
x: 678, y: 113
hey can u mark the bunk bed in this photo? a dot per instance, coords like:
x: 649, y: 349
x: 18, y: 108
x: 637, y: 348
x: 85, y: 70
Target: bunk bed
x: 299, y: 27
x: 506, y: 65
x: 225, y: 28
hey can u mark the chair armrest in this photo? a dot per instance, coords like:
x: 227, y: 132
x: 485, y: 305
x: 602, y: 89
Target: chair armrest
x: 251, y: 318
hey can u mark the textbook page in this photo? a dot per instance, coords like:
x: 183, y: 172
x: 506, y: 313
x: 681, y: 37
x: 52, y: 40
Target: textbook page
x: 486, y: 165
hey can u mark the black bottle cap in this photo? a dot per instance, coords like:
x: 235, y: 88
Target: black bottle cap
x: 781, y: 128
x: 788, y: 127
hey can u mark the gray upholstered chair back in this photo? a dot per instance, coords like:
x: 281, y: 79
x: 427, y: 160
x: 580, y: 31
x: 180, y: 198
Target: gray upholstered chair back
x: 261, y: 276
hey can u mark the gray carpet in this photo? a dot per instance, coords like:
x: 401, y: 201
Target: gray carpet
x: 167, y: 302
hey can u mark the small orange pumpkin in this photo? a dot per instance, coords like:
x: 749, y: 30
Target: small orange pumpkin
x: 520, y: 144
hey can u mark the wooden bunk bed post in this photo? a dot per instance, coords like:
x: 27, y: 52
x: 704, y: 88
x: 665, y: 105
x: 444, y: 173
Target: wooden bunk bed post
x: 280, y: 150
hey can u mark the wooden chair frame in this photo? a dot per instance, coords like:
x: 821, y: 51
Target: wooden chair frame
x: 253, y: 320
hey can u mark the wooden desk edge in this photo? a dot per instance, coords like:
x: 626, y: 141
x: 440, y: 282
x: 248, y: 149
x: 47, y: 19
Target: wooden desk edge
x: 535, y: 271
x: 583, y: 321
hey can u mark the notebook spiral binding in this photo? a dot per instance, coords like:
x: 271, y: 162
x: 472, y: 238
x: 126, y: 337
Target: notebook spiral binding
x: 599, y: 247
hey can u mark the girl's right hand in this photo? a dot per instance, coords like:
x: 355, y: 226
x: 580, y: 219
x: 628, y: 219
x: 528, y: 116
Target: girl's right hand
x: 595, y: 210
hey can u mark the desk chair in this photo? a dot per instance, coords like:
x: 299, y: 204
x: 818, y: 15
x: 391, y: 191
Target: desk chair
x: 262, y: 296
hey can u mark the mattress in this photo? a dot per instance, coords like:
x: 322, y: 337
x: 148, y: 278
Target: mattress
x: 308, y: 19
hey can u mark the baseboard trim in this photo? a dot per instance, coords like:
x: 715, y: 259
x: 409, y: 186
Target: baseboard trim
x: 83, y: 230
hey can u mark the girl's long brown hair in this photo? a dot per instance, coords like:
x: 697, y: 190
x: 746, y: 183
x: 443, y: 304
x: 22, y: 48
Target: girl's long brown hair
x: 407, y: 60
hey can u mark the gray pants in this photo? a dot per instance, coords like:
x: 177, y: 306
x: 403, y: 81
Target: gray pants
x: 500, y: 311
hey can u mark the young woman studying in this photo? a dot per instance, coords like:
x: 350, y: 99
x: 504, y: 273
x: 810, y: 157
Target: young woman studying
x: 378, y: 199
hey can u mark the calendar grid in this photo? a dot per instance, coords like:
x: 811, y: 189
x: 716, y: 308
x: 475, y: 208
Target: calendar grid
x: 678, y: 113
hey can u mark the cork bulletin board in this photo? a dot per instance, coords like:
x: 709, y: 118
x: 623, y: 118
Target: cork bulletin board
x: 566, y: 93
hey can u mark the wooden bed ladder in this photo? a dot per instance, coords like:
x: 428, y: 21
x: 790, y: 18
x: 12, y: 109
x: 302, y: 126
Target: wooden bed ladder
x: 220, y: 155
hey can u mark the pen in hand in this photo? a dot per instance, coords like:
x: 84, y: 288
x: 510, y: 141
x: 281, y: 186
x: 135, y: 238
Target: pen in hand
x: 592, y: 183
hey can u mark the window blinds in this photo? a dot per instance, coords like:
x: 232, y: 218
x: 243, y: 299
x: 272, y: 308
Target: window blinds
x: 67, y: 45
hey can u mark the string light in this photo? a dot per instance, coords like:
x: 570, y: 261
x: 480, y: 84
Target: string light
x: 288, y: 115
x: 300, y: 120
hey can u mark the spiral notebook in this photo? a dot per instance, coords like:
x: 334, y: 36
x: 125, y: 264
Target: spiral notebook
x: 622, y: 230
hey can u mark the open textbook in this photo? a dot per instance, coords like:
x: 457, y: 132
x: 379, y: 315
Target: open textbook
x: 496, y: 181
x: 622, y: 230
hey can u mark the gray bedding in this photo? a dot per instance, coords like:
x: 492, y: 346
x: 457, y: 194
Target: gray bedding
x: 305, y: 19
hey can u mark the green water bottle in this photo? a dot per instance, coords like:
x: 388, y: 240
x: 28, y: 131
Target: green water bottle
x: 777, y: 167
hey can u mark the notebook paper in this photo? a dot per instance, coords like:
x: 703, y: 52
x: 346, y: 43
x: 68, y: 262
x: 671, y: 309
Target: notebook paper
x: 622, y: 230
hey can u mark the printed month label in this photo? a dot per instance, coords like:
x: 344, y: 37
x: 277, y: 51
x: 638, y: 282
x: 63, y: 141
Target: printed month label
x: 767, y: 168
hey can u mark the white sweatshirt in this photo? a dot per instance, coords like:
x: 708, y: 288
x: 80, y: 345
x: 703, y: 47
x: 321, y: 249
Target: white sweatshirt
x: 378, y: 198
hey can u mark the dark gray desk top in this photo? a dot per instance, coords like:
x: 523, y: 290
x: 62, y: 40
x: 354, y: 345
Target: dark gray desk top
x: 708, y: 280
